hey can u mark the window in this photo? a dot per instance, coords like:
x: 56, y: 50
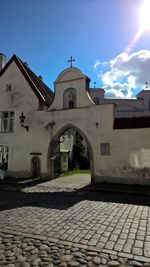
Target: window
x: 70, y: 98
x: 8, y: 87
x: 105, y: 149
x: 4, y: 150
x: 7, y: 121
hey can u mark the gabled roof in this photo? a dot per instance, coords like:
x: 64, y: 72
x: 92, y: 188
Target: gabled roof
x: 42, y: 91
x: 143, y: 92
x: 70, y: 69
x: 132, y: 123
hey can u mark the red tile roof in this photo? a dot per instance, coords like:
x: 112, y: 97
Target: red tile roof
x: 42, y: 91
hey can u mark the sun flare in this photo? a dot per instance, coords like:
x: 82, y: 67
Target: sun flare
x: 145, y: 16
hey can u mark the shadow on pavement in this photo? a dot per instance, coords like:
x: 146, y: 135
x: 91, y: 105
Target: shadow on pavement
x: 10, y: 197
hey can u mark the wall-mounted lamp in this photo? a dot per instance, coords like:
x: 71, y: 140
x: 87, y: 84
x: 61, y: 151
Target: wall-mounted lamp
x: 22, y: 121
x: 97, y: 124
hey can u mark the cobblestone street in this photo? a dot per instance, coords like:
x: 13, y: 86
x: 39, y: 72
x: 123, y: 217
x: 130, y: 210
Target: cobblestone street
x: 52, y: 224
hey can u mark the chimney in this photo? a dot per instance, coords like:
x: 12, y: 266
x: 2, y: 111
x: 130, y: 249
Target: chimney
x: 3, y: 61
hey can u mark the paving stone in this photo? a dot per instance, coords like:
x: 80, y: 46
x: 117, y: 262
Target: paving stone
x: 108, y: 251
x: 63, y: 264
x: 113, y: 263
x: 34, y: 251
x: 122, y: 260
x: 36, y: 261
x: 9, y: 253
x: 110, y: 245
x: 138, y: 244
x: 90, y: 264
x: 105, y: 256
x: 147, y: 252
x: 137, y: 251
x: 81, y: 260
x: 125, y: 255
x: 92, y: 253
x: 29, y: 248
x: 78, y: 254
x: 96, y: 260
x: 142, y: 259
x: 10, y: 265
x: 103, y: 261
x: 135, y: 263
x: 67, y: 258
x: 127, y: 249
x: 21, y: 258
x: 73, y: 263
x: 118, y: 247
x: 25, y: 264
x: 113, y: 257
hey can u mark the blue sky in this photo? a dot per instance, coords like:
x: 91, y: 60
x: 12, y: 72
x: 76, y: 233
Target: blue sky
x: 97, y: 33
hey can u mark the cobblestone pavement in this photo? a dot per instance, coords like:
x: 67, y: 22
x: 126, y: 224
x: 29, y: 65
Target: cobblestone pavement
x: 48, y: 225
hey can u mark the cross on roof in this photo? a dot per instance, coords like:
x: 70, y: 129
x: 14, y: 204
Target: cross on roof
x: 146, y: 85
x: 70, y: 61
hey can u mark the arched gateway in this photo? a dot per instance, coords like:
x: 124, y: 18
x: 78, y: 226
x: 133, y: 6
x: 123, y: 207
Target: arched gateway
x: 71, y: 147
x: 111, y: 140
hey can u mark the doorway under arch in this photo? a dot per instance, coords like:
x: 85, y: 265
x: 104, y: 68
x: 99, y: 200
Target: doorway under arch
x: 35, y: 167
x: 69, y: 150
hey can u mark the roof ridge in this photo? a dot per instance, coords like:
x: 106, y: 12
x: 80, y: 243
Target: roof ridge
x: 21, y: 62
x: 42, y: 91
x: 35, y: 75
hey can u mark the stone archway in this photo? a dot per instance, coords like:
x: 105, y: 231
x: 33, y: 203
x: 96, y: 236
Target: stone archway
x: 53, y: 158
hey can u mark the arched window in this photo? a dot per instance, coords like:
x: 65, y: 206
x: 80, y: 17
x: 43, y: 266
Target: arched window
x: 70, y: 98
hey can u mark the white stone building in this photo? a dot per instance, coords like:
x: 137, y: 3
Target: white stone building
x: 116, y: 131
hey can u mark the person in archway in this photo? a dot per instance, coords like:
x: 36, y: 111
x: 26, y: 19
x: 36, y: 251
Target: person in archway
x: 3, y: 169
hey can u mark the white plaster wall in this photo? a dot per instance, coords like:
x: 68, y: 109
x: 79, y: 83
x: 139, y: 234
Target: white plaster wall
x: 128, y: 161
x: 71, y: 78
x: 21, y: 99
x: 126, y: 107
x: 96, y: 92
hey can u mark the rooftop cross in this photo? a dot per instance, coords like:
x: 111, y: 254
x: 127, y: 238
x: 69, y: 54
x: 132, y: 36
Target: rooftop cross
x: 146, y: 85
x: 70, y: 61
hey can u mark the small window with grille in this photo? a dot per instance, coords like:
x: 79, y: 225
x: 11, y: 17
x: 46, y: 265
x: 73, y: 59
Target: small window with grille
x: 8, y: 87
x: 105, y: 149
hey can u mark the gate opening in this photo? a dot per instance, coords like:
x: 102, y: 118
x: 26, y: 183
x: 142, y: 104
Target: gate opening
x: 70, y: 151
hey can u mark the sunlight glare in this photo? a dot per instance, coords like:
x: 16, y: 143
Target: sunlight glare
x: 145, y: 15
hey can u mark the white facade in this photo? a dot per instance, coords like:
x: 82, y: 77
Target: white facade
x: 117, y: 154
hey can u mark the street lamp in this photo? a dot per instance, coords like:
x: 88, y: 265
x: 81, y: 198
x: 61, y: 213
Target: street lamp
x: 22, y: 121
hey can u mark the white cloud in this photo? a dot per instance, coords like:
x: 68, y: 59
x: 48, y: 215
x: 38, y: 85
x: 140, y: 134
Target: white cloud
x: 100, y: 63
x: 126, y: 73
x: 118, y: 90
